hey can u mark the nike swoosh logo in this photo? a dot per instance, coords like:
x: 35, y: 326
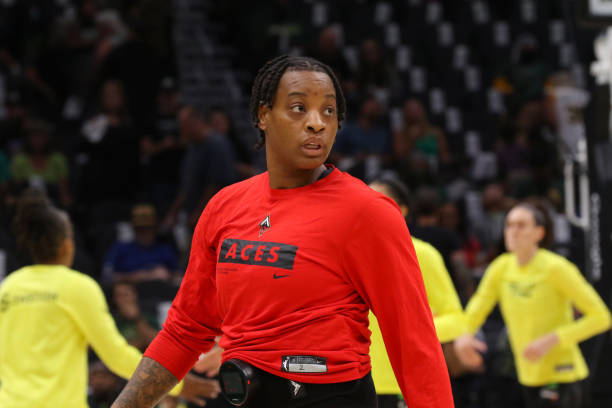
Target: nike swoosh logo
x: 275, y: 276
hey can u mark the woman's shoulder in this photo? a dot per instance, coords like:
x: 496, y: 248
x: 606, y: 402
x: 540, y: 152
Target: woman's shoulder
x: 350, y: 187
x: 250, y: 185
x: 360, y: 196
x: 78, y: 277
x: 61, y: 276
x: 79, y: 286
x: 235, y: 195
x: 500, y: 263
x: 352, y: 199
x: 425, y: 249
x: 14, y: 277
x: 555, y: 261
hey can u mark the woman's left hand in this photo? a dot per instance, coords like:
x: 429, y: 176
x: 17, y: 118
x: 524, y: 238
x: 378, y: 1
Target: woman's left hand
x: 539, y: 347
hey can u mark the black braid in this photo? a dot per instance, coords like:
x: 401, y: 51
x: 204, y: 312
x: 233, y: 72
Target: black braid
x: 268, y: 77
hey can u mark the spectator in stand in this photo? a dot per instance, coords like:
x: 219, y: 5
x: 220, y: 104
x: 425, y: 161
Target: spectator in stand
x: 130, y: 59
x: 162, y: 149
x: 327, y: 51
x: 104, y: 386
x: 69, y: 59
x: 363, y: 145
x: 209, y: 164
x: 525, y: 76
x: 374, y: 74
x: 221, y: 122
x: 419, y: 147
x: 144, y: 258
x: 138, y: 327
x: 489, y: 227
x: 11, y: 126
x: 39, y: 166
x: 426, y: 226
x: 530, y: 161
x: 21, y: 72
x: 111, y: 150
x: 463, y: 259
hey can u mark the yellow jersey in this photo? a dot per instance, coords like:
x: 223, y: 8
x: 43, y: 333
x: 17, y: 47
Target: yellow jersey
x: 537, y: 299
x: 49, y: 314
x: 445, y: 307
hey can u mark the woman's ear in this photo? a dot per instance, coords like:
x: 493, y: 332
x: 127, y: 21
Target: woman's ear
x: 66, y: 252
x: 262, y: 114
x: 541, y: 234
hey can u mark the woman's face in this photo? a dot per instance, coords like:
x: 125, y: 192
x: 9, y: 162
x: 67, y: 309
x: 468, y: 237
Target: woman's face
x: 521, y: 232
x: 112, y: 96
x: 413, y: 111
x: 38, y: 141
x: 301, y: 125
x: 220, y: 122
x: 124, y: 293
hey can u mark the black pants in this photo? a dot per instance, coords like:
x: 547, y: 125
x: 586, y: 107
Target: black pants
x: 277, y: 392
x: 564, y: 395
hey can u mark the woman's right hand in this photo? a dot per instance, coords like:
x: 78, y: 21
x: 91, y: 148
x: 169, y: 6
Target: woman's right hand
x: 209, y: 363
x: 196, y: 389
x: 468, y: 349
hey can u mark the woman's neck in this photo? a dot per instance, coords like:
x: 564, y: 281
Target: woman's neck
x: 525, y: 256
x: 51, y: 263
x: 281, y: 179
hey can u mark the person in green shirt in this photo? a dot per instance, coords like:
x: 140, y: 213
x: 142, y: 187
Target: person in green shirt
x: 536, y: 290
x: 40, y: 167
x: 50, y: 314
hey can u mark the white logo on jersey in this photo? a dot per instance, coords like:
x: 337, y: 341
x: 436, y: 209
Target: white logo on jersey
x: 296, y: 387
x: 264, y: 225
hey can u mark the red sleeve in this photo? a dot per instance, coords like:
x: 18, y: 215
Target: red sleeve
x: 382, y: 265
x: 193, y: 320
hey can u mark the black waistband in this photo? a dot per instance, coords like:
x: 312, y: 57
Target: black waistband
x: 278, y: 392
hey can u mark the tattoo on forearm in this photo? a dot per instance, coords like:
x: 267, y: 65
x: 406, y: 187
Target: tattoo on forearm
x: 149, y: 383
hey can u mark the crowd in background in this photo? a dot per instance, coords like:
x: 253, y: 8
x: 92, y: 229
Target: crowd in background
x: 91, y: 113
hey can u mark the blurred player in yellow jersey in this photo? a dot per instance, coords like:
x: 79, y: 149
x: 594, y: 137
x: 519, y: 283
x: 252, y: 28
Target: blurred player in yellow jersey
x: 536, y: 290
x: 442, y: 298
x: 49, y: 314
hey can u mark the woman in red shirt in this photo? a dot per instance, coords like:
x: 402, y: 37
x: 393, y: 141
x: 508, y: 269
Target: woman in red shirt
x: 285, y: 266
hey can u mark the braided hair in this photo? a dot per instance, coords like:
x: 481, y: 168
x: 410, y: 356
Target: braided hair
x: 268, y: 77
x: 40, y: 229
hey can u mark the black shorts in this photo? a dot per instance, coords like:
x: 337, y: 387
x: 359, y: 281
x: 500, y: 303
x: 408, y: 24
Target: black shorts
x: 277, y: 392
x: 563, y: 395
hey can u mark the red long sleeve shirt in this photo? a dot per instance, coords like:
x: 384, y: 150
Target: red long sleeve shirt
x: 287, y: 276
